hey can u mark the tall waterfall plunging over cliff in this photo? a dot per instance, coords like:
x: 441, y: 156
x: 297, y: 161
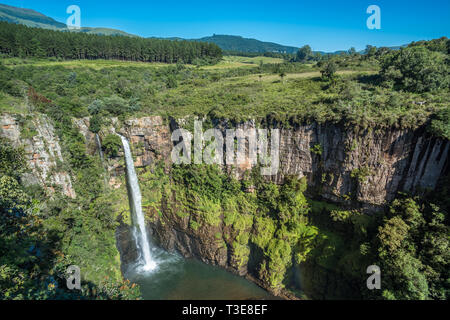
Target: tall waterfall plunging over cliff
x: 99, y: 146
x: 135, y: 198
x: 102, y: 158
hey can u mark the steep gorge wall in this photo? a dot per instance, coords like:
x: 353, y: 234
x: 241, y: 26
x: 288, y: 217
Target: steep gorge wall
x: 330, y: 156
x: 42, y: 150
x: 394, y: 160
x: 397, y: 160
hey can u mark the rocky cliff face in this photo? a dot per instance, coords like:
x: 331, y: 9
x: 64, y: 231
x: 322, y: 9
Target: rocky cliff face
x: 43, y: 151
x: 342, y: 165
x: 367, y: 166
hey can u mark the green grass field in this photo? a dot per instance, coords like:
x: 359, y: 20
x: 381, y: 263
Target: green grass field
x: 72, y: 64
x: 236, y: 88
x: 228, y: 62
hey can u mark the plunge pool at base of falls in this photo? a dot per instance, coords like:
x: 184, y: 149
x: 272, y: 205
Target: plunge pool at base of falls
x: 177, y: 278
x: 165, y: 276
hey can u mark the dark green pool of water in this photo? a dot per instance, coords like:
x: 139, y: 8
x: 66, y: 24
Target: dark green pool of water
x: 177, y: 278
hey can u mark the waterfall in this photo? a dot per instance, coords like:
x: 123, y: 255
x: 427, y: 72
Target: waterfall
x: 99, y: 146
x: 102, y: 158
x: 135, y: 198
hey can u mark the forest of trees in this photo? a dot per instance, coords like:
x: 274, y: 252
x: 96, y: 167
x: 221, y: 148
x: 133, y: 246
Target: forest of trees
x: 21, y: 41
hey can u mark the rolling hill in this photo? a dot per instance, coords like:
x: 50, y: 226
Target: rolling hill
x: 237, y: 43
x: 35, y: 19
x: 28, y: 17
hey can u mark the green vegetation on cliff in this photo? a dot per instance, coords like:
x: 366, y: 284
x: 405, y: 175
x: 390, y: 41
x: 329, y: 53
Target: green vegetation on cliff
x: 275, y: 234
x: 273, y: 217
x: 44, y: 233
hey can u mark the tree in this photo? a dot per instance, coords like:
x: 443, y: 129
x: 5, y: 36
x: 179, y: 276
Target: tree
x: 304, y: 54
x: 329, y: 70
x: 21, y: 41
x: 415, y: 69
x: 371, y: 51
x: 413, y: 251
x: 112, y: 145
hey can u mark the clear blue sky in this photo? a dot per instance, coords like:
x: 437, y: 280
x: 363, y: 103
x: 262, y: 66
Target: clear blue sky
x: 324, y: 25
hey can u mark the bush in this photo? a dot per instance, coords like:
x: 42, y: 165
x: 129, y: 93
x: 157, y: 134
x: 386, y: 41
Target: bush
x: 415, y: 69
x: 96, y: 107
x: 440, y: 125
x: 95, y: 124
x: 112, y: 145
x: 116, y: 105
x: 361, y: 174
x: 171, y: 82
x: 329, y: 70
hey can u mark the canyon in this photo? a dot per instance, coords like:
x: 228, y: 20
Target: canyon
x: 360, y: 169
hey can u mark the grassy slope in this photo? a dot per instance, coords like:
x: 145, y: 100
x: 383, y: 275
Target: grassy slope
x: 35, y: 19
x: 28, y: 17
x: 228, y: 62
x: 236, y: 89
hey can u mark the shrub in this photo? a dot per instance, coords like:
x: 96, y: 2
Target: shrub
x: 96, y: 107
x: 280, y: 258
x: 361, y: 174
x: 95, y: 124
x: 241, y: 254
x: 112, y: 145
x: 440, y: 125
x: 415, y: 69
x: 171, y: 82
x: 329, y: 70
x: 264, y: 231
x: 317, y: 149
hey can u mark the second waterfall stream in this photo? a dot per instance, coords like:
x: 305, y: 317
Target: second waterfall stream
x: 146, y: 263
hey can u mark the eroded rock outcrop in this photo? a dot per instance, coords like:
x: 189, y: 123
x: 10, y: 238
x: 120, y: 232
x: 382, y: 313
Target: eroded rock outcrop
x: 42, y: 149
x: 368, y: 166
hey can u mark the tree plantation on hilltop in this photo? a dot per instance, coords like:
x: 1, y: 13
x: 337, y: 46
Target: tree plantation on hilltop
x: 22, y: 41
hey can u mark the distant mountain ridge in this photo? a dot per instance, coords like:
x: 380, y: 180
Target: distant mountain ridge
x: 35, y: 19
x: 238, y: 43
x: 28, y: 17
x: 230, y: 43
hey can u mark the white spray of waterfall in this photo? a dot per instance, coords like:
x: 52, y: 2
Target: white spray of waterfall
x: 102, y: 158
x: 99, y: 146
x: 140, y: 232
